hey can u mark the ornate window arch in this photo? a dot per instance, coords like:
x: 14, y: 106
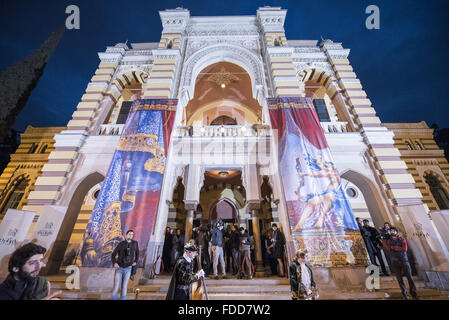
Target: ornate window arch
x: 436, y: 187
x: 14, y: 194
x: 242, y: 57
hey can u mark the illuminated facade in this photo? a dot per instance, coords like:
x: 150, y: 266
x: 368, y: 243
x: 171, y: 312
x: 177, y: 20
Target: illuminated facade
x: 218, y: 87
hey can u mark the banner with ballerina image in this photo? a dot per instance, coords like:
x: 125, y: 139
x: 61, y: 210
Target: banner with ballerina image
x: 129, y: 196
x: 320, y: 216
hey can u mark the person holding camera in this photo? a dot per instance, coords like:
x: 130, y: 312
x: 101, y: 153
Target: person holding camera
x: 301, y: 278
x: 124, y: 257
x: 244, y: 254
x: 217, y: 249
x: 399, y: 262
x: 183, y: 275
x: 377, y: 242
x: 385, y: 235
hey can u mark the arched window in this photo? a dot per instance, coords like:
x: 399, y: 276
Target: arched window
x: 44, y: 148
x: 409, y: 145
x: 437, y: 190
x: 169, y: 44
x: 223, y: 120
x: 15, y: 196
x: 277, y: 42
x: 33, y: 148
x: 419, y: 145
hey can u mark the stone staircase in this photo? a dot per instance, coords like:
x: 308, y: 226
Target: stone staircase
x: 225, y: 289
x: 272, y: 288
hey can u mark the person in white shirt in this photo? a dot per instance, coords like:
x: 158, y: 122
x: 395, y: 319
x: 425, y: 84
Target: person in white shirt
x: 301, y: 278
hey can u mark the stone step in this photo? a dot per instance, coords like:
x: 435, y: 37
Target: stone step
x: 422, y: 293
x: 220, y: 282
x: 227, y: 289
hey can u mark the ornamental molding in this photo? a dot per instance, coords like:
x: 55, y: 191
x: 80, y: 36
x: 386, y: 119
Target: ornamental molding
x: 338, y: 54
x: 425, y: 162
x: 174, y: 21
x: 251, y: 43
x: 246, y: 59
x: 109, y: 56
x: 166, y: 54
x: 222, y: 29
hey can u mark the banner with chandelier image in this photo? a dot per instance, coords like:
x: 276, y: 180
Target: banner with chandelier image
x: 129, y: 196
x: 321, y: 219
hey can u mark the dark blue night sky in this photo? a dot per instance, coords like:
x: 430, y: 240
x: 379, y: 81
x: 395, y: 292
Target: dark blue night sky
x: 402, y: 66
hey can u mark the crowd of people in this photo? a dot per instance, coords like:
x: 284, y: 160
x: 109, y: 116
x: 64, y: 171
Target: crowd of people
x: 229, y: 248
x: 391, y: 242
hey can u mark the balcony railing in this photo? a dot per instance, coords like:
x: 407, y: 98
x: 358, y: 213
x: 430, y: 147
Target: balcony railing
x: 111, y: 129
x: 249, y: 130
x: 334, y: 127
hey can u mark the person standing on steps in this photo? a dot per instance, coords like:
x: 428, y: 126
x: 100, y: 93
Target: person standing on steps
x: 124, y: 257
x: 217, y: 249
x: 397, y: 246
x: 279, y: 243
x: 375, y: 239
x: 183, y: 276
x: 244, y: 254
x: 301, y: 278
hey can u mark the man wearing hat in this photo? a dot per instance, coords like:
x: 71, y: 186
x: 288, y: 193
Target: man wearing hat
x: 397, y: 246
x: 183, y: 275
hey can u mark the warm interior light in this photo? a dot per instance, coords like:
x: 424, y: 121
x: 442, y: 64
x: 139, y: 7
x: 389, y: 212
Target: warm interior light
x: 223, y: 86
x: 223, y: 173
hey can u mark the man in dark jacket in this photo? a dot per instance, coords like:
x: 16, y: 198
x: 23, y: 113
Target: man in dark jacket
x: 397, y: 246
x: 234, y: 243
x: 245, y: 254
x: 279, y: 243
x: 167, y: 249
x: 301, y: 278
x: 23, y: 281
x: 124, y: 257
x: 203, y: 243
x: 376, y: 240
x: 217, y: 249
x: 370, y: 247
x: 183, y: 276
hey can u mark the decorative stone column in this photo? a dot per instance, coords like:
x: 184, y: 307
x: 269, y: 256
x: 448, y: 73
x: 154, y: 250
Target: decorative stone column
x: 254, y: 206
x: 190, y: 207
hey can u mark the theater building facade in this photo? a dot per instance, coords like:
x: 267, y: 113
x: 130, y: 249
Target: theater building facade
x: 226, y: 118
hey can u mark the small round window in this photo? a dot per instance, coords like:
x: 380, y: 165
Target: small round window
x: 351, y: 192
x: 95, y: 195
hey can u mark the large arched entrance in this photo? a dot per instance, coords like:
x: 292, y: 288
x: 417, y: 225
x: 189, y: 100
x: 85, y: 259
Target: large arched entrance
x: 371, y: 196
x: 57, y: 254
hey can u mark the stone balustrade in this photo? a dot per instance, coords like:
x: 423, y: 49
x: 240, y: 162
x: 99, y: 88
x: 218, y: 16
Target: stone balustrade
x: 334, y: 127
x: 111, y: 129
x: 248, y: 130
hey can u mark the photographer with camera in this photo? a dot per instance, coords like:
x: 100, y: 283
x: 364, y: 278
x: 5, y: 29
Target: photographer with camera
x: 124, y: 258
x: 217, y: 248
x: 377, y: 242
x: 244, y: 254
x: 384, y: 236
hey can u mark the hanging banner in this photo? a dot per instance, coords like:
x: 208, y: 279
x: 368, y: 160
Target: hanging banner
x: 129, y: 196
x: 320, y: 215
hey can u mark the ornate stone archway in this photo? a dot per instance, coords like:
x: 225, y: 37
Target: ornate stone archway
x: 242, y: 57
x: 325, y: 79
